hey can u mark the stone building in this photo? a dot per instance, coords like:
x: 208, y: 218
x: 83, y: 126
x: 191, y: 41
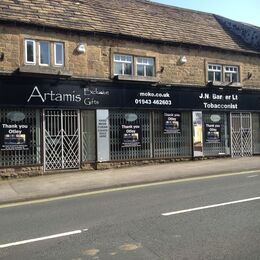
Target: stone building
x: 95, y: 84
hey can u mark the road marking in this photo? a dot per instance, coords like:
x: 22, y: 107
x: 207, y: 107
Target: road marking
x: 209, y: 206
x: 137, y: 186
x: 42, y: 238
x: 252, y: 176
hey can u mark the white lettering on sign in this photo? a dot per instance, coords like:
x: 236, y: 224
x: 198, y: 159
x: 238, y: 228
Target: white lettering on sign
x: 54, y: 97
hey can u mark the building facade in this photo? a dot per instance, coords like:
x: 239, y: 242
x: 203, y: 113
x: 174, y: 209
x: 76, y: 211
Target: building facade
x: 95, y: 85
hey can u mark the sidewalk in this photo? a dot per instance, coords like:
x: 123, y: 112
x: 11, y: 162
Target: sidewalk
x: 15, y: 190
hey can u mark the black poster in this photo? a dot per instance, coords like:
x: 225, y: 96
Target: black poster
x: 213, y: 133
x: 131, y: 135
x: 171, y: 122
x: 14, y: 137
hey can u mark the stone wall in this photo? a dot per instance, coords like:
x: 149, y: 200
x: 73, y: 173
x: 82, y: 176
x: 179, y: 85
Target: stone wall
x: 23, y: 171
x: 96, y: 61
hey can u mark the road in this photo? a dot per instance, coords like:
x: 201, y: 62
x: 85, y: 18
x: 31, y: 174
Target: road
x: 211, y: 218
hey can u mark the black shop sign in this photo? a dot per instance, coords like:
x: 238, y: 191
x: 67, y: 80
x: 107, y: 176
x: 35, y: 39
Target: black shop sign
x: 37, y: 92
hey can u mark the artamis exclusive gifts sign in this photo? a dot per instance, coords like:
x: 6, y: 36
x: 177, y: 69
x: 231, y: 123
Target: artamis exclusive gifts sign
x: 14, y: 137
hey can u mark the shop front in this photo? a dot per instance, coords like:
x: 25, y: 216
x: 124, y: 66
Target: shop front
x: 67, y: 124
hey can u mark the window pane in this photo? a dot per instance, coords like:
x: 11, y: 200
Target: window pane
x: 234, y: 77
x: 150, y: 61
x: 117, y: 57
x: 140, y: 70
x: 227, y: 77
x: 30, y: 51
x: 44, y: 53
x: 217, y: 76
x: 149, y: 71
x: 210, y: 76
x: 118, y: 69
x: 128, y: 69
x: 59, y: 60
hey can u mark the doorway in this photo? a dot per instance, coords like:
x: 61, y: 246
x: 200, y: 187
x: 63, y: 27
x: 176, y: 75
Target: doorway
x: 241, y: 134
x: 61, y: 139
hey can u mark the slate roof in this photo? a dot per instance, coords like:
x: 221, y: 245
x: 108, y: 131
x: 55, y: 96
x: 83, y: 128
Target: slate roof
x: 134, y: 18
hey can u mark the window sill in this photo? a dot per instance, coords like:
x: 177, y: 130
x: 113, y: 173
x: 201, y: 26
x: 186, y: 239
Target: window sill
x: 136, y: 78
x: 224, y: 84
x: 47, y: 70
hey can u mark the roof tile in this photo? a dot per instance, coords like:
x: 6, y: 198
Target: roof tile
x: 136, y: 18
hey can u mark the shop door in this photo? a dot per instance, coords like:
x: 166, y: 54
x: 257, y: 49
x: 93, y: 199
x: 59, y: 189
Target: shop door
x: 61, y: 139
x: 241, y: 134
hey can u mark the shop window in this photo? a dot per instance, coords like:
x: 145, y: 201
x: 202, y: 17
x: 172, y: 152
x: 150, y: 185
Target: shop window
x: 215, y: 134
x: 44, y: 50
x: 133, y: 65
x: 20, y: 137
x: 223, y: 73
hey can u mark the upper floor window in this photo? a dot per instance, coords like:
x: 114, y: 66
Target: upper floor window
x: 44, y: 53
x: 223, y: 73
x: 133, y: 66
x: 145, y: 66
x: 48, y: 53
x: 214, y: 72
x: 231, y: 73
x: 58, y: 53
x: 30, y: 56
x: 123, y: 64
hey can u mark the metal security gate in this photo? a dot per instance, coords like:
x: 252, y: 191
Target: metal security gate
x: 61, y: 139
x: 241, y: 134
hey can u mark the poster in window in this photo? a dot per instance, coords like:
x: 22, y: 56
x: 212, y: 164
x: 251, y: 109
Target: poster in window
x: 171, y: 123
x: 213, y: 133
x: 14, y: 137
x: 197, y: 134
x: 130, y: 136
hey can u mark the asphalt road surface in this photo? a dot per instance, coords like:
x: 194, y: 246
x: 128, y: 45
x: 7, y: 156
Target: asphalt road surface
x: 216, y: 218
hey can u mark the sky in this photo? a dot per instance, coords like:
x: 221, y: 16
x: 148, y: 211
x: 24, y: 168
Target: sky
x: 247, y: 11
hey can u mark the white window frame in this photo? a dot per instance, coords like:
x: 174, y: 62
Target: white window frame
x: 34, y: 52
x: 55, y: 57
x: 49, y: 53
x: 232, y: 71
x: 144, y: 64
x: 214, y: 71
x: 123, y: 62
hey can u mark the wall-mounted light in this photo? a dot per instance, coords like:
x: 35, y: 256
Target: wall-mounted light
x: 81, y: 48
x: 182, y: 60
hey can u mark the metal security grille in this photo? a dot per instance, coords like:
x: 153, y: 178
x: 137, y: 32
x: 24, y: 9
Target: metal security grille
x: 172, y: 145
x: 256, y: 133
x: 61, y: 139
x: 221, y: 147
x: 117, y: 119
x: 241, y: 134
x: 23, y: 157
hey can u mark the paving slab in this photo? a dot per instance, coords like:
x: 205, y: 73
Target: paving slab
x: 14, y: 190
